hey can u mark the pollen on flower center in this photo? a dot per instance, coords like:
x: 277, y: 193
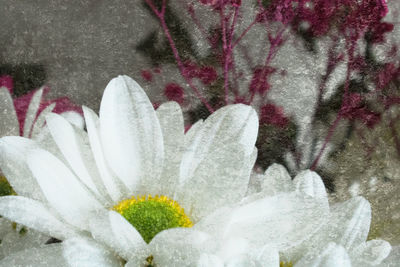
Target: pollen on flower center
x: 151, y: 215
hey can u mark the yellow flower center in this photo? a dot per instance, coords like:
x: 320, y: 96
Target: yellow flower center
x: 5, y: 187
x: 285, y: 264
x: 151, y: 215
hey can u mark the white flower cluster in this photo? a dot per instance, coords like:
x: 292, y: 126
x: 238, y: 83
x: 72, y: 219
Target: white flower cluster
x: 92, y: 190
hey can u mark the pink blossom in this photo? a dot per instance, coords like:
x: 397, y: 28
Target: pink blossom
x: 355, y: 109
x: 147, y: 75
x: 207, y: 75
x: 174, y: 92
x: 259, y: 83
x: 271, y: 114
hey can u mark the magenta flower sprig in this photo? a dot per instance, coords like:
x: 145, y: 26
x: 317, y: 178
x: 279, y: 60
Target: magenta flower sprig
x: 231, y: 72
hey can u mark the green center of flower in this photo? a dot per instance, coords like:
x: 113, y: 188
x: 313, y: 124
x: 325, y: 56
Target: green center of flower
x: 5, y: 187
x: 151, y: 215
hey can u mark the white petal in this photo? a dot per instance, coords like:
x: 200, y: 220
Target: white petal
x: 228, y: 125
x: 283, y: 220
x: 393, y: 259
x: 215, y: 223
x: 268, y: 256
x: 171, y: 121
x: 221, y: 180
x: 310, y: 183
x: 232, y: 247
x: 85, y: 252
x: 113, y: 230
x: 34, y: 214
x: 179, y: 247
x: 215, y: 168
x: 130, y: 133
x: 370, y: 253
x: 73, y: 148
x: 8, y: 117
x: 347, y: 225
x: 352, y: 219
x: 192, y: 132
x: 74, y: 145
x: 332, y: 256
x: 241, y: 260
x: 111, y: 183
x: 62, y: 189
x: 46, y: 141
x: 49, y: 255
x: 39, y: 123
x: 254, y: 183
x: 74, y: 118
x: 276, y: 180
x: 13, y: 151
x: 207, y: 260
x: 32, y: 111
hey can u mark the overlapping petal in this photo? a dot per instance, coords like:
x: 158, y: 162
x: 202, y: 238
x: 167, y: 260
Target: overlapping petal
x: 35, y: 215
x: 180, y: 247
x: 113, y: 230
x: 74, y: 147
x: 88, y: 253
x: 63, y: 191
x: 131, y: 134
x: 112, y: 184
x: 13, y: 164
x: 8, y: 117
x: 332, y: 256
x: 171, y: 122
x: 31, y: 113
x: 283, y: 221
x: 215, y: 163
x: 276, y: 180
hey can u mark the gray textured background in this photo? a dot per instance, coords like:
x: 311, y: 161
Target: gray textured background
x: 81, y: 43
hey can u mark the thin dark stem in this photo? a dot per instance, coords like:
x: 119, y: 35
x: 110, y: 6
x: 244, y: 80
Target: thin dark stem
x: 198, y: 24
x: 226, y: 53
x: 232, y: 28
x: 243, y: 34
x: 272, y: 50
x: 326, y: 141
x: 178, y: 59
x: 346, y: 94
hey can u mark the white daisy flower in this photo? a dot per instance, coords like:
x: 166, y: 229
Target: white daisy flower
x: 132, y: 175
x: 342, y: 239
x: 14, y: 237
x: 136, y: 189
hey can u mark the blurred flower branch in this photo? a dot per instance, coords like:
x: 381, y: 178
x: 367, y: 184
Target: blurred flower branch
x: 223, y: 65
